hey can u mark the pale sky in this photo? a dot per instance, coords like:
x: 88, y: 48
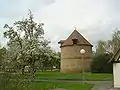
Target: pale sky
x: 94, y: 19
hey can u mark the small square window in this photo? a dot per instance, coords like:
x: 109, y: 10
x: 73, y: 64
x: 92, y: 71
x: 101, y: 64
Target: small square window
x: 75, y: 41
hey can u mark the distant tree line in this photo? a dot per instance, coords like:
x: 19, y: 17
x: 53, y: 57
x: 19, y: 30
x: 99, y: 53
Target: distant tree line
x: 104, y: 52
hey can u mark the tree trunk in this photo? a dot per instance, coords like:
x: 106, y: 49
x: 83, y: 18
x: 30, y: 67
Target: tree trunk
x: 33, y: 70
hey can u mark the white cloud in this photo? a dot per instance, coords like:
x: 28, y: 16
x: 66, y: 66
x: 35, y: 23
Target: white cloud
x: 80, y: 13
x: 90, y: 16
x: 95, y: 19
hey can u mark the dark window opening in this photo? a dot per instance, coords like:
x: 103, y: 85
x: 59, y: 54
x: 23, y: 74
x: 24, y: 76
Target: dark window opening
x: 75, y: 41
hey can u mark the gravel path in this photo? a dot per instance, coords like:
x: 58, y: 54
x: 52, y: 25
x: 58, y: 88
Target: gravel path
x: 98, y: 85
x: 105, y: 85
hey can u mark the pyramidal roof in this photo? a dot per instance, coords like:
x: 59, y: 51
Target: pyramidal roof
x: 75, y: 35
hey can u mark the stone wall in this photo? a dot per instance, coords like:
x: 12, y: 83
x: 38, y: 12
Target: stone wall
x: 71, y: 59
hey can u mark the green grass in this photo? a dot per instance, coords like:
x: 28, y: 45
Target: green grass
x: 54, y: 76
x: 46, y: 86
x: 74, y: 76
x: 52, y: 85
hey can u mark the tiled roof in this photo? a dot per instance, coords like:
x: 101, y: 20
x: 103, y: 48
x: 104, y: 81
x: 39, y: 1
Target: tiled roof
x: 75, y: 35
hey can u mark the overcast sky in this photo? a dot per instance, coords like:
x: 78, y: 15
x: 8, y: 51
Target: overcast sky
x: 95, y: 19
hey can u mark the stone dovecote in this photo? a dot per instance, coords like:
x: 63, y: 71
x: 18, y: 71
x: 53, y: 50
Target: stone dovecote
x: 71, y: 58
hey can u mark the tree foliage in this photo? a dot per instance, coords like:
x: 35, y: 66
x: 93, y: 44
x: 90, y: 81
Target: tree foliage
x: 51, y: 60
x: 100, y: 64
x: 114, y: 43
x: 111, y: 45
x: 26, y: 43
x: 100, y: 60
x: 2, y: 56
x: 100, y: 49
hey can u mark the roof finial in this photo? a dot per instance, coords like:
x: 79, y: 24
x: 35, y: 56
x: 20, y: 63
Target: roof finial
x: 75, y: 28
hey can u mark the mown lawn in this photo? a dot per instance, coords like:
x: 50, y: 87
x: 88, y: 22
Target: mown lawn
x: 17, y: 82
x: 52, y: 85
x: 76, y: 76
x: 46, y: 86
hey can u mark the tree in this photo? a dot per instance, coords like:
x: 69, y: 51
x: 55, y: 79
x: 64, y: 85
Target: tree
x: 103, y: 47
x: 2, y: 56
x: 110, y: 46
x: 57, y: 60
x: 26, y: 42
x: 114, y: 44
x: 100, y: 63
x: 50, y: 60
x: 100, y: 49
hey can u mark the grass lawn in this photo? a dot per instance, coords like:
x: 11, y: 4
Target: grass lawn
x: 54, y: 76
x: 46, y: 86
x: 75, y: 76
x: 52, y: 85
